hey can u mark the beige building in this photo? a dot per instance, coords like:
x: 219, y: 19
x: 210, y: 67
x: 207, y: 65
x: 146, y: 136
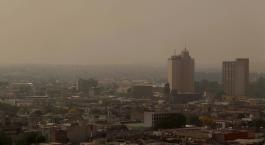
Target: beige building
x: 236, y: 77
x: 181, y: 72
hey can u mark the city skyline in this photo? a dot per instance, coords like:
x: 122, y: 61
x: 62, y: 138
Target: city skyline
x: 112, y: 32
x: 132, y: 72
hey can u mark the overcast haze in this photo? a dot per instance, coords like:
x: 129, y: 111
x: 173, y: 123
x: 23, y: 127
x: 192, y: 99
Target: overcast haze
x: 130, y: 31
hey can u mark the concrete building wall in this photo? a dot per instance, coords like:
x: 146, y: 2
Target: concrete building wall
x: 148, y: 119
x: 181, y: 72
x: 241, y: 77
x: 187, y: 74
x: 236, y: 77
x: 228, y: 77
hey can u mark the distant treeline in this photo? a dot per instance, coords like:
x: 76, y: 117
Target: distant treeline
x: 257, y: 88
x: 72, y: 72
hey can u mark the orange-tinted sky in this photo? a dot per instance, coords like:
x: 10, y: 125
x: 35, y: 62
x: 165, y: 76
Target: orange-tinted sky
x: 130, y: 31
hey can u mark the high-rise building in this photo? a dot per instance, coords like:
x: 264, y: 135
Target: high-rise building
x: 236, y: 77
x: 181, y: 72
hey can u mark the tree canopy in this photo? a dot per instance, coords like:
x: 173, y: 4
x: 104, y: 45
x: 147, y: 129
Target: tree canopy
x: 212, y: 87
x: 172, y: 121
x: 256, y: 89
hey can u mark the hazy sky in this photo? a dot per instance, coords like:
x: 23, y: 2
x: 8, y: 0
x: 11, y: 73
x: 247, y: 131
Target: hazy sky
x: 130, y: 31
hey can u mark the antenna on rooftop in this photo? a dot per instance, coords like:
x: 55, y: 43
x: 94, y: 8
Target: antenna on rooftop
x: 185, y: 48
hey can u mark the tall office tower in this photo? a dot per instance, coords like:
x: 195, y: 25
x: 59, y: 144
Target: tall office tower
x: 236, y: 77
x: 181, y: 72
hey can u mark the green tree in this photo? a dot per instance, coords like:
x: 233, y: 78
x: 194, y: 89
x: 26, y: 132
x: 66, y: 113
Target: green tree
x: 256, y: 89
x: 257, y: 123
x: 30, y: 138
x: 5, y: 140
x: 9, y: 109
x: 206, y: 120
x: 172, y: 121
x: 193, y: 120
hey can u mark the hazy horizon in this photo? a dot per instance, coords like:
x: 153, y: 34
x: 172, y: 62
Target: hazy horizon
x: 103, y: 32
